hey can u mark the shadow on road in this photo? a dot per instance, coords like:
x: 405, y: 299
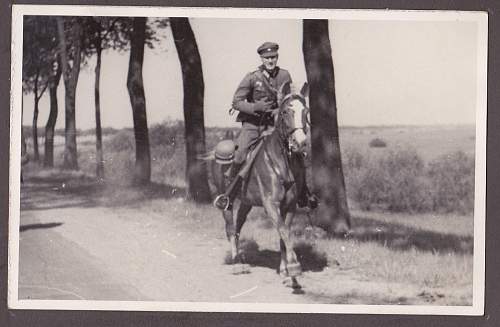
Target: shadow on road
x: 57, y: 192
x: 308, y: 256
x: 24, y: 228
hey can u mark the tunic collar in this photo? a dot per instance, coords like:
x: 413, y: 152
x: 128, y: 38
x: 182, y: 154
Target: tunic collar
x: 268, y: 74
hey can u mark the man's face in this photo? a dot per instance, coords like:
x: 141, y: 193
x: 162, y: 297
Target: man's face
x: 269, y: 62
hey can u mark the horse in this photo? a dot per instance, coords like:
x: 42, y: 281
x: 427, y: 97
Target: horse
x: 270, y: 180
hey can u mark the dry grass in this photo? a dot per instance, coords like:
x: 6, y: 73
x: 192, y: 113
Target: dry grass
x: 416, y: 252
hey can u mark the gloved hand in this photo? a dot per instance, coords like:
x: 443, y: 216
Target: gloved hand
x: 262, y: 105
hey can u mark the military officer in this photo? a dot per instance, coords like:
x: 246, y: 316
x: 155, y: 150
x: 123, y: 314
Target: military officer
x: 254, y: 98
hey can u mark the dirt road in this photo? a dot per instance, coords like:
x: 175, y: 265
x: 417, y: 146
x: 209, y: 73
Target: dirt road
x: 82, y: 243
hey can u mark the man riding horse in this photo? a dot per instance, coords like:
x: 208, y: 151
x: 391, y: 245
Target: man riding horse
x: 255, y: 99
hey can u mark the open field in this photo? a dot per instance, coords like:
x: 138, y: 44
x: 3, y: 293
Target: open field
x: 429, y: 141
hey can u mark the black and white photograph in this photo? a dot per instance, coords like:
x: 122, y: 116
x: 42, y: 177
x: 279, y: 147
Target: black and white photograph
x: 247, y: 160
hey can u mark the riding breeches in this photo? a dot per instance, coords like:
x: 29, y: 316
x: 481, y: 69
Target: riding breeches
x: 248, y: 135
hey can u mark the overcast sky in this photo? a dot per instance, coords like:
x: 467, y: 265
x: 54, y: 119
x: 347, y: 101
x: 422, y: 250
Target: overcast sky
x: 387, y: 72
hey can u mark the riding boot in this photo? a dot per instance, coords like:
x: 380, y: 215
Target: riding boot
x: 307, y: 199
x: 225, y: 201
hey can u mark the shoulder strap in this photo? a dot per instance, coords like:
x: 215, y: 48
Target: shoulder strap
x: 265, y: 82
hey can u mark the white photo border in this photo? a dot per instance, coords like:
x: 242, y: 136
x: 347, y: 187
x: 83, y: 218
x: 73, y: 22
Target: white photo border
x: 481, y: 18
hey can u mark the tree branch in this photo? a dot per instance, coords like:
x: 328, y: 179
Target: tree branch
x: 43, y: 90
x: 111, y: 27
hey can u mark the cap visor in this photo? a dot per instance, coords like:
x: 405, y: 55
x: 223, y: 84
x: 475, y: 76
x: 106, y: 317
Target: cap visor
x: 269, y: 54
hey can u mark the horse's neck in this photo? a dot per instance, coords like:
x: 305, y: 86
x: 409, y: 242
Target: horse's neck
x: 279, y: 161
x: 276, y: 143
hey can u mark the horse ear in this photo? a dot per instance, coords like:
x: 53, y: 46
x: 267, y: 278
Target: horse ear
x: 304, y: 91
x: 283, y: 91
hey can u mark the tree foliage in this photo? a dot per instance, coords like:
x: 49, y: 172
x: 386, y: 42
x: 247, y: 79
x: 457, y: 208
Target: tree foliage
x: 39, y: 63
x: 40, y: 48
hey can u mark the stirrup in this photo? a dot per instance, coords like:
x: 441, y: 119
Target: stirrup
x: 311, y: 201
x: 222, y: 202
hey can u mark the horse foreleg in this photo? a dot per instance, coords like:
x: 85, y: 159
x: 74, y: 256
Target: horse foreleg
x: 283, y: 226
x: 282, y: 270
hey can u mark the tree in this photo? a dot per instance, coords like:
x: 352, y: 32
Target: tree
x: 24, y: 150
x: 100, y: 33
x: 70, y: 43
x: 328, y: 176
x: 51, y: 122
x: 192, y: 77
x: 135, y: 86
x: 37, y: 94
x: 39, y: 55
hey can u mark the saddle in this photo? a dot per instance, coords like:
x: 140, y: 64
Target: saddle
x: 224, y: 154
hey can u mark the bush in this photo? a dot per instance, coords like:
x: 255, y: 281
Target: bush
x: 392, y: 181
x: 166, y: 133
x: 377, y: 143
x: 452, y: 183
x: 122, y: 141
x: 399, y: 181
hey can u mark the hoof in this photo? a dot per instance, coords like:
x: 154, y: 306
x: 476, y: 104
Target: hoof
x: 294, y: 269
x: 295, y: 284
x: 240, y: 268
x: 292, y: 282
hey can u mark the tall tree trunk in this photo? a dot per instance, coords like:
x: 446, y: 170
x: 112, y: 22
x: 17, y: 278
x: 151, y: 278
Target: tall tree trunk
x: 192, y: 77
x: 34, y: 129
x: 98, y: 130
x: 326, y: 159
x: 51, y: 122
x: 135, y: 86
x: 24, y: 150
x: 70, y: 82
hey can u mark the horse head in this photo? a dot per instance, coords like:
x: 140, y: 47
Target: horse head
x: 292, y: 119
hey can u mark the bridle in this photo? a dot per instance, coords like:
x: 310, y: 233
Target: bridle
x: 284, y: 109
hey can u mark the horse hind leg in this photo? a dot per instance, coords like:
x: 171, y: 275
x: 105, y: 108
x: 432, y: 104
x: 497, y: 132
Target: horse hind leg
x: 292, y: 264
x: 241, y: 216
x: 231, y: 233
x: 240, y: 262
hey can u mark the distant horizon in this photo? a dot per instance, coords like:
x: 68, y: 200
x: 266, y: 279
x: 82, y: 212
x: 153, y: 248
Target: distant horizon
x: 458, y: 125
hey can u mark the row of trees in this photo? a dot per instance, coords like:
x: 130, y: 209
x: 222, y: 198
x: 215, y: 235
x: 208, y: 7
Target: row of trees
x: 60, y: 46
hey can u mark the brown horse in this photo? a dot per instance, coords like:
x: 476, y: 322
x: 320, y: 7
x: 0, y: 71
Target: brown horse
x: 270, y: 182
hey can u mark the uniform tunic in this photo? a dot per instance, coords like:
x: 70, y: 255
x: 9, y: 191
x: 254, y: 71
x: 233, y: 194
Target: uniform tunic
x: 255, y: 86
